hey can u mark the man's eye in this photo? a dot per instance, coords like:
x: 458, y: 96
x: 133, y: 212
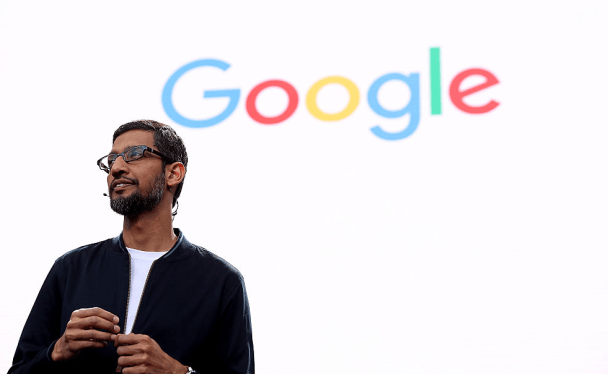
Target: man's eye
x: 111, y: 159
x: 135, y: 153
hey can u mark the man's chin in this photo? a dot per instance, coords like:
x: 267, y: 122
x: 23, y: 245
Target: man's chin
x: 133, y: 204
x: 130, y: 202
x: 120, y: 194
x: 124, y: 204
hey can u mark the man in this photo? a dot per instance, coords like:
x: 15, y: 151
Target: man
x: 147, y: 301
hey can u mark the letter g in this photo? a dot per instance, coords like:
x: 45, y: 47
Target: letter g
x: 233, y: 95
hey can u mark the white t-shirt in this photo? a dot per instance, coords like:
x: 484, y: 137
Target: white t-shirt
x: 141, y: 261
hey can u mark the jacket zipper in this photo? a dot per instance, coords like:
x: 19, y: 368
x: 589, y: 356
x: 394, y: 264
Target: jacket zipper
x: 124, y: 329
x: 142, y: 294
x: 129, y: 295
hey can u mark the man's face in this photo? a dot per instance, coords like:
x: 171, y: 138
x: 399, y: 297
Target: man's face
x: 138, y: 186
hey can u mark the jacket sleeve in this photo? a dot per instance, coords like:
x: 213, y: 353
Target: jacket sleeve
x: 42, y: 329
x: 236, y: 342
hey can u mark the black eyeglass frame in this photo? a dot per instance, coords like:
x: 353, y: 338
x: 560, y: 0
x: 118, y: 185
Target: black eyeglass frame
x: 144, y: 147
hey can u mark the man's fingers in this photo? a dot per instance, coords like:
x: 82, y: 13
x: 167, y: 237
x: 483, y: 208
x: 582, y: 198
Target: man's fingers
x: 82, y: 344
x: 87, y: 328
x: 130, y: 339
x: 129, y: 350
x: 126, y: 361
x: 98, y: 323
x: 87, y: 312
x: 88, y: 335
x: 93, y: 322
x: 137, y: 369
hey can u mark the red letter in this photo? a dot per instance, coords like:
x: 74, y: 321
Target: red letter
x: 456, y: 95
x: 291, y: 104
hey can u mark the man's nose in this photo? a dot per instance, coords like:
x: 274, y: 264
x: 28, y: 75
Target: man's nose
x: 119, y: 167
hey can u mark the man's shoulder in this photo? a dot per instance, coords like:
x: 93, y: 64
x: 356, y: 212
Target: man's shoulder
x: 87, y: 250
x: 211, y: 259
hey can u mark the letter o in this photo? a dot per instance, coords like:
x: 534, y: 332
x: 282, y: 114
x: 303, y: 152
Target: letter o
x: 292, y: 104
x: 311, y: 98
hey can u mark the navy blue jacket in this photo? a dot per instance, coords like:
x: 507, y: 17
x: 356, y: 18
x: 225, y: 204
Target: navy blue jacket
x: 194, y: 306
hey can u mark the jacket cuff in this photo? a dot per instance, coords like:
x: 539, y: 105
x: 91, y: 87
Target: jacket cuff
x: 49, y: 351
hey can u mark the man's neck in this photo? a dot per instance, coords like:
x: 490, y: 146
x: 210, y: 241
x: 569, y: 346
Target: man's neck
x: 149, y: 232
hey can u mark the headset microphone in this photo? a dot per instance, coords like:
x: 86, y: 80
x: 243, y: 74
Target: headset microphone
x: 105, y: 194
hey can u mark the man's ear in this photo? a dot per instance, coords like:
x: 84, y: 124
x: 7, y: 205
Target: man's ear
x: 175, y: 173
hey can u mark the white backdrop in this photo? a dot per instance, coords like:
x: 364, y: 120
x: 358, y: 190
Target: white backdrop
x: 475, y: 245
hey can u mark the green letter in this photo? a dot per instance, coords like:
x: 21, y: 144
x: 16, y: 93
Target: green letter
x: 435, y: 81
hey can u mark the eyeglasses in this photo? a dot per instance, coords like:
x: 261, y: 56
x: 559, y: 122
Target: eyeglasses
x: 130, y: 154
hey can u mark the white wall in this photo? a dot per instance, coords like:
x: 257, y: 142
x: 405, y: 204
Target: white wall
x: 475, y: 245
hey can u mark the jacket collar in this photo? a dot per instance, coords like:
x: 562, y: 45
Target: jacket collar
x: 179, y: 246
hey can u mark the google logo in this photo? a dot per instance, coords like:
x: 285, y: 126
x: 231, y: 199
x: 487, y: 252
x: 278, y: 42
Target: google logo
x: 457, y: 94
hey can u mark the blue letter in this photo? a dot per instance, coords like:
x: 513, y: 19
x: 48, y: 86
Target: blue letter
x: 413, y: 107
x: 233, y: 95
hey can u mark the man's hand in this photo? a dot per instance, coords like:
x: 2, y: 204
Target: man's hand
x: 87, y: 328
x: 141, y: 354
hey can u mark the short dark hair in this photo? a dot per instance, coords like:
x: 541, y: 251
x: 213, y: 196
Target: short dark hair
x: 165, y: 139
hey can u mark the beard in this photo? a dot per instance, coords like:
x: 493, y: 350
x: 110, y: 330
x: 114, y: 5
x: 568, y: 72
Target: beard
x: 135, y: 204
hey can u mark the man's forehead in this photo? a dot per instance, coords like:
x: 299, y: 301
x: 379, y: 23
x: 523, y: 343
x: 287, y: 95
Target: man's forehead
x: 132, y: 138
